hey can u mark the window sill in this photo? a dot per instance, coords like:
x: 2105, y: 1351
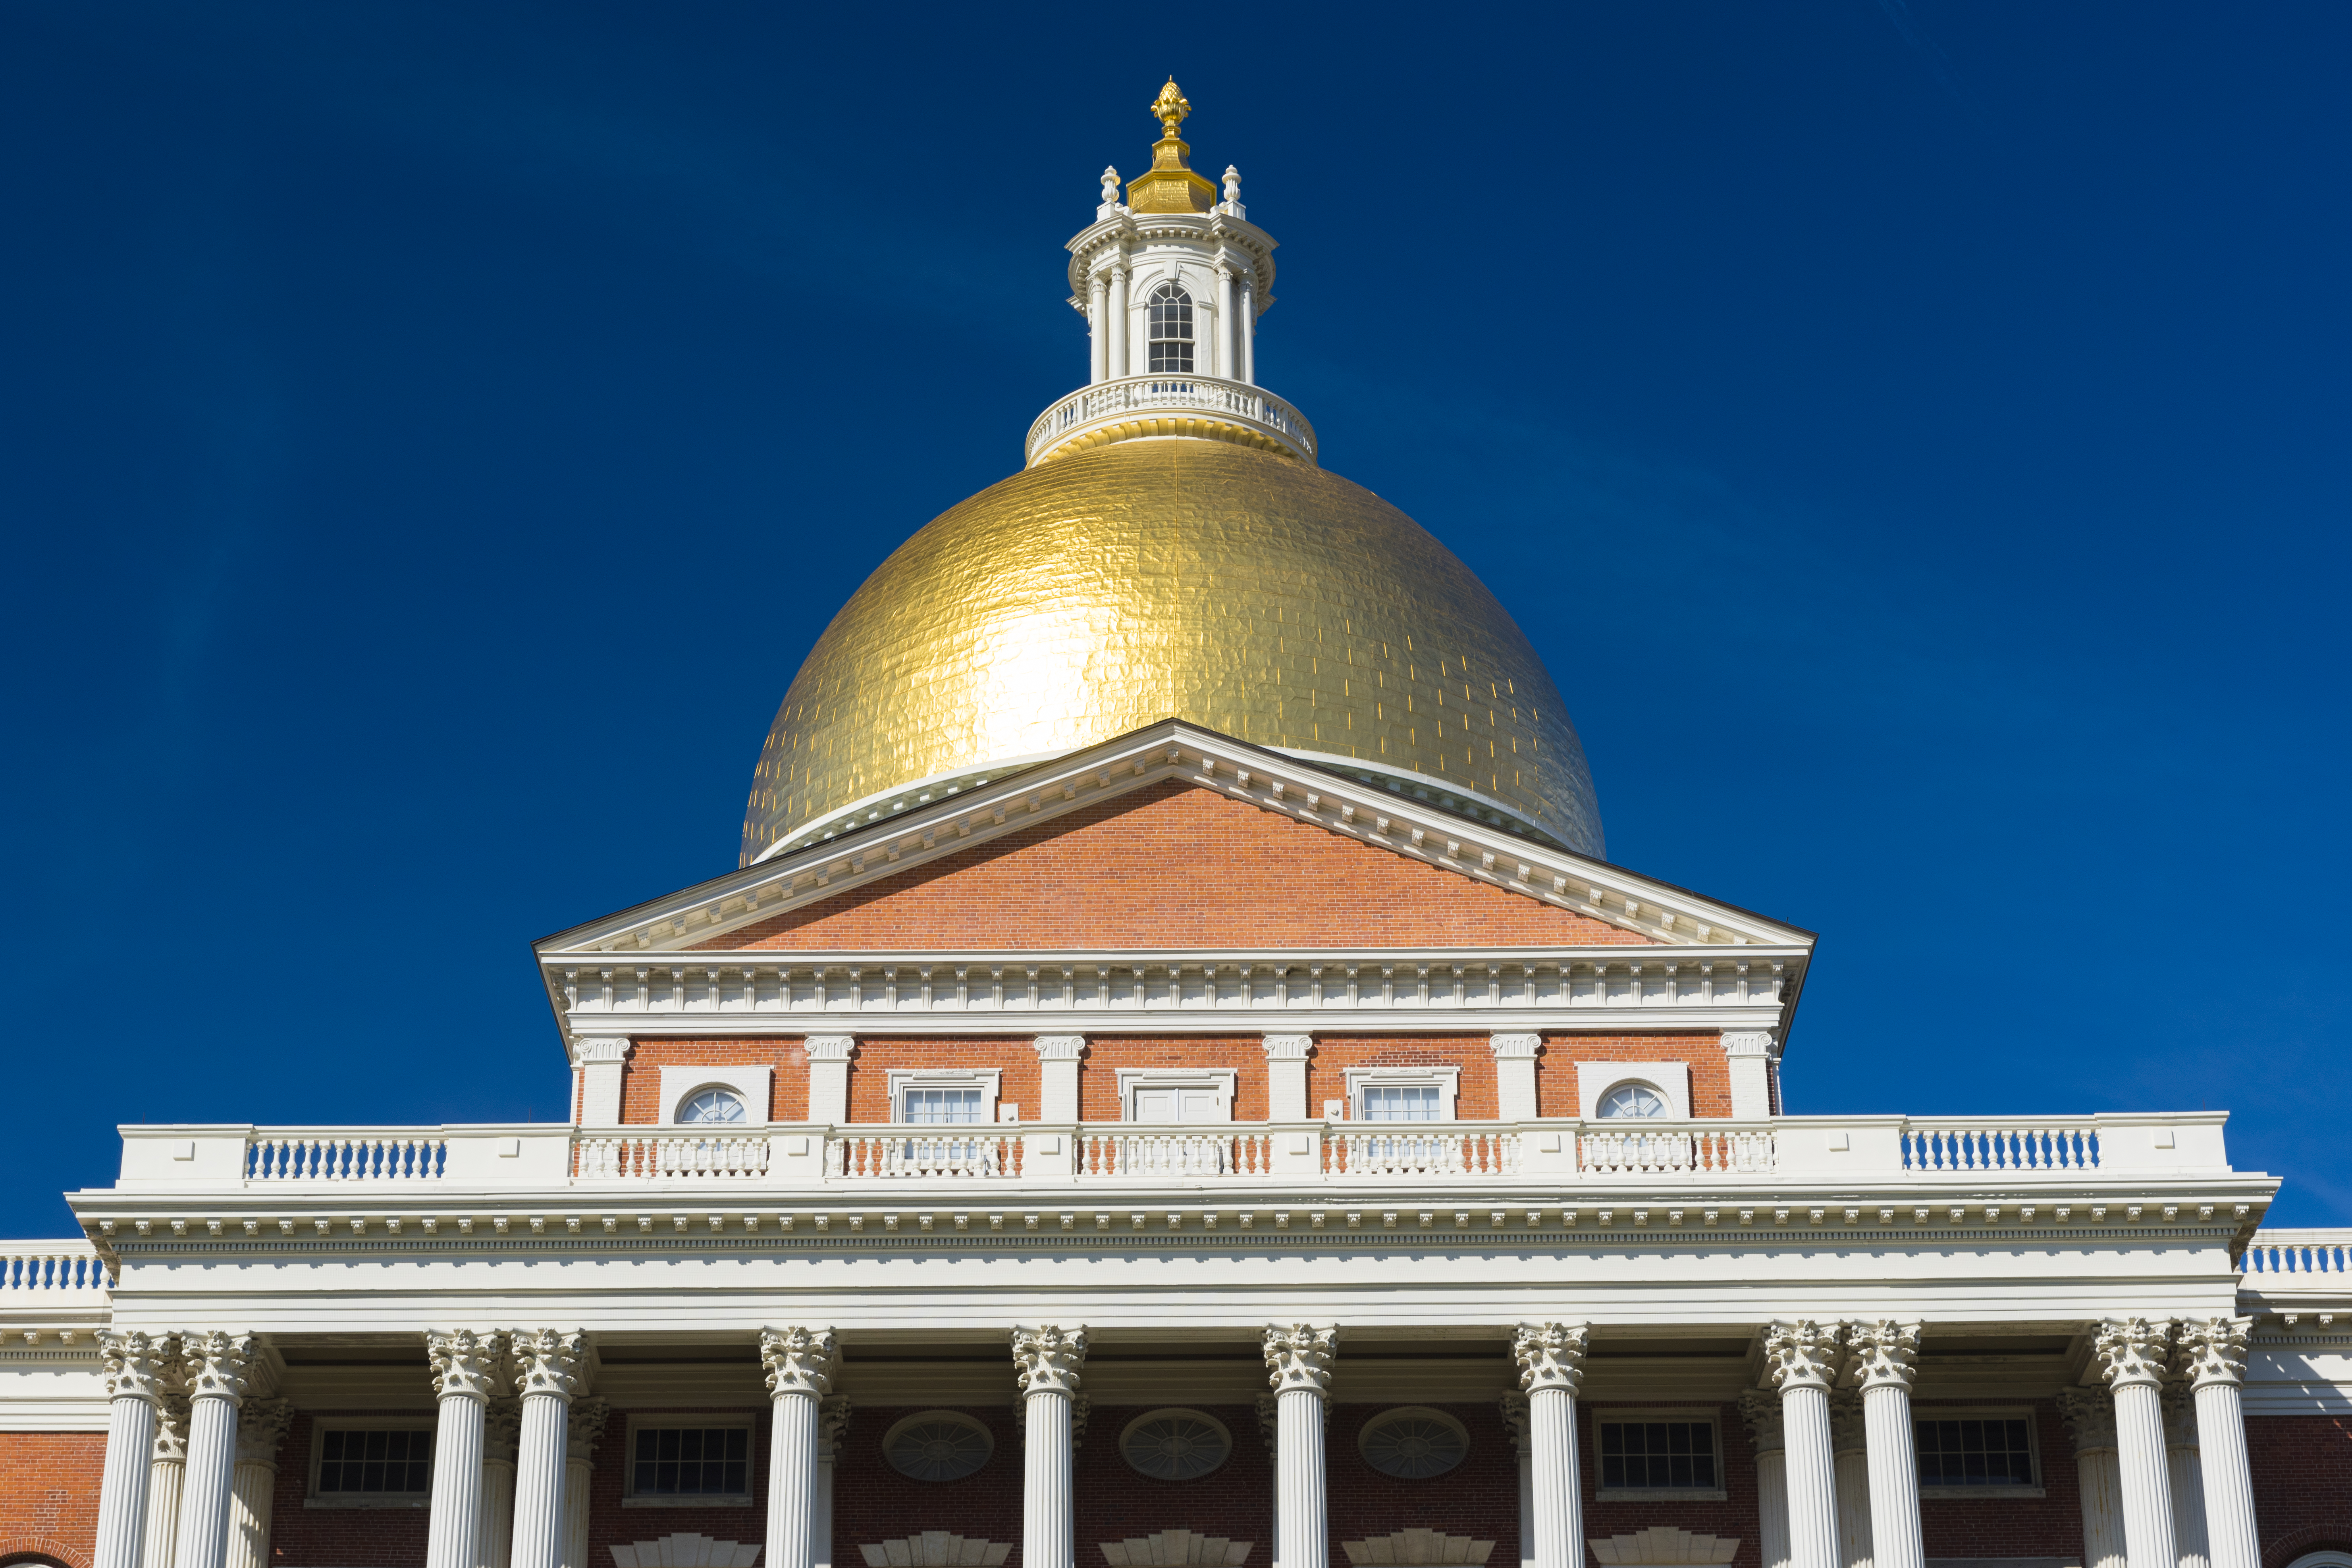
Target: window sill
x: 735, y: 1500
x: 1946, y: 1493
x: 1661, y: 1494
x: 367, y: 1502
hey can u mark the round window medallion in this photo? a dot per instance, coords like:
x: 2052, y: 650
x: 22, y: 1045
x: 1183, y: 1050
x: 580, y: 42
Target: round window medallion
x: 938, y: 1446
x: 1413, y: 1443
x: 1175, y: 1445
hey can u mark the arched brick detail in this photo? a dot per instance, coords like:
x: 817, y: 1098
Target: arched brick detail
x: 2333, y: 1536
x: 30, y: 1549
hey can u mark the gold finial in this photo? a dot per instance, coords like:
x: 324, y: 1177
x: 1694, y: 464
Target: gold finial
x: 1170, y: 107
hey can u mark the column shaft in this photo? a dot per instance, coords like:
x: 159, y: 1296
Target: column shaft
x: 1119, y: 289
x: 2100, y: 1475
x: 1047, y: 1528
x: 2229, y: 1483
x: 792, y: 1480
x: 1773, y: 1506
x: 539, y: 1481
x: 2188, y: 1482
x: 2147, y: 1497
x: 454, y: 1526
x: 1850, y: 1461
x: 1303, y: 1519
x: 122, y: 1485
x: 1812, y: 1476
x: 167, y: 1480
x: 494, y: 1543
x: 1894, y: 1536
x: 1098, y: 330
x: 1559, y: 1501
x: 1228, y: 346
x: 204, y: 1502
x: 253, y: 1488
x: 1249, y: 333
x: 577, y: 1473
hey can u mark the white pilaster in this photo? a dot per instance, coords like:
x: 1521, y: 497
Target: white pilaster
x: 550, y: 1364
x: 1229, y: 357
x: 1550, y: 1358
x: 502, y: 1439
x: 828, y: 1069
x: 136, y: 1369
x: 1058, y: 1060
x: 2130, y: 1353
x: 219, y: 1366
x: 800, y: 1363
x: 1118, y: 334
x: 1249, y: 332
x: 1098, y: 330
x: 466, y: 1374
x: 602, y: 1059
x: 2212, y: 1356
x: 583, y: 1429
x: 2090, y: 1418
x: 1882, y: 1358
x: 1754, y: 1059
x: 1286, y: 1076
x: 253, y: 1488
x: 1801, y: 1362
x: 1298, y: 1359
x: 1515, y: 1075
x: 1761, y: 1413
x: 833, y: 1417
x: 1050, y: 1360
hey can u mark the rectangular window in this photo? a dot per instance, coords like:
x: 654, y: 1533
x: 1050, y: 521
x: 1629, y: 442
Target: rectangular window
x: 1400, y: 1101
x: 375, y: 1462
x: 1975, y: 1450
x: 691, y: 1462
x: 1658, y: 1456
x: 934, y: 1107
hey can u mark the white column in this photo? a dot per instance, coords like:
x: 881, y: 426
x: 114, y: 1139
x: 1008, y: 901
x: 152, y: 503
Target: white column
x: 1249, y: 332
x: 1802, y: 1360
x: 1098, y: 330
x: 1882, y: 1358
x: 1229, y: 357
x: 1550, y: 1358
x: 547, y: 1375
x: 2212, y: 1356
x: 800, y: 1362
x: 832, y: 1429
x: 167, y: 1465
x: 1761, y: 1412
x: 583, y: 1429
x: 1118, y: 329
x: 2130, y: 1353
x: 1850, y: 1461
x: 465, y: 1375
x: 501, y: 1437
x: 2090, y: 1419
x: 218, y: 1365
x: 602, y: 1059
x: 1300, y: 1358
x: 1058, y: 1060
x: 1286, y: 1074
x: 253, y: 1489
x: 1050, y: 1360
x: 2185, y: 1476
x: 1754, y: 1060
x: 1515, y: 1075
x: 1513, y: 1408
x: 1269, y: 1432
x: 828, y: 1067
x: 136, y: 1366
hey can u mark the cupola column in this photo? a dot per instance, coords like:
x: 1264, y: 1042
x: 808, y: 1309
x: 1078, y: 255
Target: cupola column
x: 1551, y: 1369
x: 1300, y: 1358
x: 1049, y: 1359
x: 1117, y: 320
x: 801, y: 1362
x: 1249, y: 331
x: 1097, y: 328
x: 1229, y: 357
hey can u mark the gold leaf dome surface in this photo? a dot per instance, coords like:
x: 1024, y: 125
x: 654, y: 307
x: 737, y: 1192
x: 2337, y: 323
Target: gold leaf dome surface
x: 1108, y: 590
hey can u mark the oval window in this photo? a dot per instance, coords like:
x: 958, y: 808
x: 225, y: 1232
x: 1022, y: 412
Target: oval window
x: 1175, y: 1445
x: 1413, y: 1443
x: 1634, y: 1100
x: 938, y: 1446
x: 711, y: 1106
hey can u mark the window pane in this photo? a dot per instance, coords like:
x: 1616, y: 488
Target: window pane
x: 1974, y: 1452
x: 1658, y: 1455
x: 1400, y: 1102
x: 692, y: 1461
x: 937, y: 1107
x: 374, y: 1462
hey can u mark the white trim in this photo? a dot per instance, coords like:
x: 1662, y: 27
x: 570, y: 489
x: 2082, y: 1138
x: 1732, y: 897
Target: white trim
x: 984, y: 1079
x: 325, y: 1422
x: 1447, y: 1078
x: 1603, y: 1414
x: 747, y: 1081
x: 1132, y: 1078
x: 1595, y: 1080
x: 657, y: 1420
x: 2025, y: 1413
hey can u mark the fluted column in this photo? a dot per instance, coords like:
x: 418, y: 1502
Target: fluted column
x: 1119, y: 329
x: 2212, y: 1357
x: 549, y: 1367
x: 253, y: 1491
x: 1513, y: 1408
x: 1882, y: 1358
x: 1801, y: 1358
x: 1850, y: 1461
x: 1228, y: 338
x: 1050, y: 1361
x: 219, y: 1366
x: 135, y: 1364
x: 1550, y: 1358
x: 800, y: 1364
x: 1299, y: 1358
x: 1097, y: 328
x: 2185, y: 1475
x: 2090, y: 1418
x: 832, y: 1430
x: 167, y: 1465
x: 2131, y: 1354
x: 1249, y: 331
x: 501, y: 1435
x: 583, y: 1429
x: 1269, y: 1432
x: 1761, y: 1412
x: 465, y: 1374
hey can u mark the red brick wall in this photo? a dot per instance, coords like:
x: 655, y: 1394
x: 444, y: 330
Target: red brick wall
x: 873, y: 1503
x: 303, y: 1536
x: 1735, y: 1516
x: 869, y: 1072
x: 1557, y: 1092
x: 1115, y: 1503
x: 610, y: 1524
x: 2302, y: 1469
x: 2049, y: 1526
x: 1326, y: 1070
x: 1098, y: 1074
x: 641, y: 1096
x: 1479, y: 1496
x: 48, y: 1494
x: 1174, y: 865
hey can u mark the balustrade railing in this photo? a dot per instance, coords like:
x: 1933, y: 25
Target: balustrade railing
x: 1677, y: 1149
x: 1164, y: 393
x: 345, y: 1156
x: 922, y: 1151
x: 51, y: 1273
x: 1994, y: 1143
x: 2322, y: 1257
x: 680, y: 1156
x: 1162, y: 1152
x: 1408, y: 1148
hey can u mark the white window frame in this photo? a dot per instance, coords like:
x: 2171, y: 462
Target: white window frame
x: 1447, y: 1079
x: 1596, y: 1081
x: 325, y: 1422
x: 1603, y: 1415
x: 1221, y: 1079
x: 749, y: 1082
x: 984, y: 1079
x: 2025, y: 1413
x: 657, y: 1420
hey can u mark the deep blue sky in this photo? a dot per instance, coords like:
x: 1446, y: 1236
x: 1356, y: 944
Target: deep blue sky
x: 431, y: 435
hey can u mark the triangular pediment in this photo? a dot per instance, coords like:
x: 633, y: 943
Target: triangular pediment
x: 1174, y: 838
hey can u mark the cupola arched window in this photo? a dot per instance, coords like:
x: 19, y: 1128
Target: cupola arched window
x: 1171, y: 317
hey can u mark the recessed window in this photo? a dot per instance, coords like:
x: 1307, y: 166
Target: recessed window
x: 374, y: 1462
x: 1974, y: 1450
x: 938, y: 1446
x: 1175, y: 1445
x: 1413, y: 1443
x: 711, y: 1106
x: 1658, y: 1456
x: 1399, y: 1103
x: 687, y: 1460
x: 1633, y: 1100
x: 1170, y: 312
x: 935, y: 1107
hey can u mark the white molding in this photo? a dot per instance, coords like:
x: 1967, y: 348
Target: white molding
x: 1446, y: 1076
x: 1596, y: 1079
x: 987, y: 1079
x: 750, y: 1082
x: 1221, y: 1079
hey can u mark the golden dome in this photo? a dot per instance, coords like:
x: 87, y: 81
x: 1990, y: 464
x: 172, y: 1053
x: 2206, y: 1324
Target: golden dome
x: 1244, y: 592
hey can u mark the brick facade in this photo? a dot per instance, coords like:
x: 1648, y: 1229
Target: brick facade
x: 302, y: 1537
x: 48, y: 1496
x: 2302, y: 1484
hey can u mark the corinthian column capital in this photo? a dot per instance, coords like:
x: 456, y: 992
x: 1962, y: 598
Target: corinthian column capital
x: 138, y: 1366
x: 1049, y: 1358
x: 2211, y: 1350
x: 1299, y: 1357
x: 1881, y: 1354
x: 1802, y: 1353
x: 549, y: 1361
x: 260, y: 1428
x: 583, y: 1429
x: 833, y: 1417
x: 218, y: 1365
x: 1551, y: 1355
x: 1761, y: 1412
x: 466, y: 1364
x: 2132, y: 1350
x: 2090, y: 1420
x: 800, y: 1361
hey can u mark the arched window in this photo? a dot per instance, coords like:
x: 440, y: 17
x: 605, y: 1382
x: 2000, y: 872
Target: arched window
x: 1634, y: 1100
x: 711, y: 1106
x: 1172, y: 330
